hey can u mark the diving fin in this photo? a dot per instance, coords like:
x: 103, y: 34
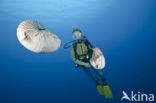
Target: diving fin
x: 107, y: 91
x: 100, y: 89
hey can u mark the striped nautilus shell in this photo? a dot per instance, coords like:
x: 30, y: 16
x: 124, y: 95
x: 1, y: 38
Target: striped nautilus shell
x: 98, y: 60
x: 35, y: 37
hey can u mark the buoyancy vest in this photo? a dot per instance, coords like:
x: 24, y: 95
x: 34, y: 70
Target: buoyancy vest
x: 82, y: 50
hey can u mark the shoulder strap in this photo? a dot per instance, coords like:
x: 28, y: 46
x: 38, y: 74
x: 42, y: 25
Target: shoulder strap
x: 88, y: 46
x: 74, y: 46
x: 86, y: 42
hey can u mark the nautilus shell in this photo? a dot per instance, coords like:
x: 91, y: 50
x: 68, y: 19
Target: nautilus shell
x: 98, y: 59
x: 35, y: 37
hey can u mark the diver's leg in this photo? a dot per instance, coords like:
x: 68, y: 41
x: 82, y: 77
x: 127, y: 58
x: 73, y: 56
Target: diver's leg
x: 88, y: 72
x: 98, y: 86
x: 100, y: 74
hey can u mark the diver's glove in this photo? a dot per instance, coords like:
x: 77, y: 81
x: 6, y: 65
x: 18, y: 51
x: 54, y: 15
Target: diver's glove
x: 87, y: 65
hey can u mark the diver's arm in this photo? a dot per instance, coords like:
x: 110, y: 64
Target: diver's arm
x: 74, y: 57
x: 90, y: 44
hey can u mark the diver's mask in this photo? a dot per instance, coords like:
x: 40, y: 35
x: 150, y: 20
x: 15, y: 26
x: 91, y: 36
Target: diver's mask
x: 77, y: 35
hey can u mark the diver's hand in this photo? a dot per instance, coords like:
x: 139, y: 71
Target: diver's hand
x: 87, y: 65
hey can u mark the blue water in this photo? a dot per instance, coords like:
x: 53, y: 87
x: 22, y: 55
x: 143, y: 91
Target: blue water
x: 125, y: 30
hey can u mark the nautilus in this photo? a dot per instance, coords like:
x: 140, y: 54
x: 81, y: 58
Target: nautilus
x: 35, y: 37
x: 98, y: 59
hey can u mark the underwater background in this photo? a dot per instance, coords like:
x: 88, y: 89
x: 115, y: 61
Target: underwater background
x: 125, y: 31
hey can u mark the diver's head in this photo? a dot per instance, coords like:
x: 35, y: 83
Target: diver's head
x: 77, y: 34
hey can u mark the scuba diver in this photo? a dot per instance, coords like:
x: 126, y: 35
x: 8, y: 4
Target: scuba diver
x: 81, y: 53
